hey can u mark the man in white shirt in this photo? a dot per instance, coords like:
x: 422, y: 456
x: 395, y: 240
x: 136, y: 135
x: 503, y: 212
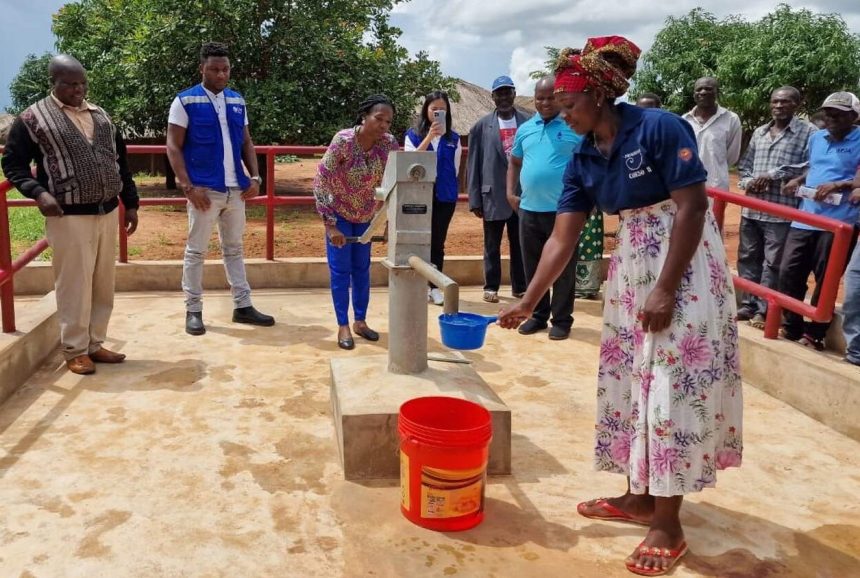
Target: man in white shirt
x: 718, y: 132
x: 207, y: 142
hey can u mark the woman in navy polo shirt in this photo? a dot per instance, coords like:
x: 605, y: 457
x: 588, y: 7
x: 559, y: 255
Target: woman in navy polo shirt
x: 669, y: 390
x: 436, y: 135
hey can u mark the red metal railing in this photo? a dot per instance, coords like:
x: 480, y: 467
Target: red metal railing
x: 269, y: 200
x: 776, y: 301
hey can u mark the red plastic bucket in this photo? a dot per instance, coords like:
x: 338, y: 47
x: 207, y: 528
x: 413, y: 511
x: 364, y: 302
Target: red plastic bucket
x: 444, y: 447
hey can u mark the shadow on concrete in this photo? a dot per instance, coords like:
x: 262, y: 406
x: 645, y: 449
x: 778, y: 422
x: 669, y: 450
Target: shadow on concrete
x: 517, y: 524
x: 149, y: 375
x: 824, y: 552
x: 280, y: 335
x: 530, y: 462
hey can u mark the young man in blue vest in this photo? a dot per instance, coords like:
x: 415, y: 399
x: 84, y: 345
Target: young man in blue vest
x: 207, y: 141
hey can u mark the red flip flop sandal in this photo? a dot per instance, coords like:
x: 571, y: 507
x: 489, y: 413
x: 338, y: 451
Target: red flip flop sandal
x: 613, y: 514
x: 671, y: 555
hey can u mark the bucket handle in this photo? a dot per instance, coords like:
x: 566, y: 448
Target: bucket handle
x: 490, y: 319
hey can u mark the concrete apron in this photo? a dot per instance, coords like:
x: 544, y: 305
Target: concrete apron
x: 216, y: 456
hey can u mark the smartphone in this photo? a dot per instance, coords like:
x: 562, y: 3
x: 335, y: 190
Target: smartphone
x: 809, y: 193
x: 439, y: 116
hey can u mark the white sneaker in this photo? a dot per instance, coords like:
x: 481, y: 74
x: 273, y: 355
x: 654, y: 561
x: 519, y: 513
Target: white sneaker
x: 436, y: 296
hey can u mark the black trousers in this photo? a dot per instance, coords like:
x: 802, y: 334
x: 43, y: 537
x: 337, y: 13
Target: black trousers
x: 493, y: 231
x: 805, y: 252
x: 442, y: 215
x: 535, y: 230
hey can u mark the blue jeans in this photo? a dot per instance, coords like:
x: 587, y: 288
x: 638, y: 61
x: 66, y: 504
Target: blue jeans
x: 851, y: 308
x: 349, y: 266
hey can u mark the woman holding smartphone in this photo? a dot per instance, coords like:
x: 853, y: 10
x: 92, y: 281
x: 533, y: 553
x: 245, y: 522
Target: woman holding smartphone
x: 433, y: 133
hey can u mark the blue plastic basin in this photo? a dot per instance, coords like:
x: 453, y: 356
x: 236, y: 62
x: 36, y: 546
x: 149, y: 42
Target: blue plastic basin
x: 464, y: 330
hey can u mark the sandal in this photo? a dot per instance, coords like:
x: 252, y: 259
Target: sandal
x: 757, y: 322
x: 671, y: 555
x: 614, y: 514
x: 811, y: 342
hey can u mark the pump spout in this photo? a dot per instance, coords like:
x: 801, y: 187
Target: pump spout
x: 449, y: 287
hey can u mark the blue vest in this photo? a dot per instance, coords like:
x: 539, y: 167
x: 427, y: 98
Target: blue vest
x: 446, y: 186
x: 204, y: 147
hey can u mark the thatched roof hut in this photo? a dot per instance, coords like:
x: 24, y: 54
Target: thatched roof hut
x: 474, y: 103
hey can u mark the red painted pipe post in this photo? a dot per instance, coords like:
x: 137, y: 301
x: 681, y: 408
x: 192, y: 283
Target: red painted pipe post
x: 772, y: 320
x: 7, y: 291
x: 123, y: 235
x: 270, y: 205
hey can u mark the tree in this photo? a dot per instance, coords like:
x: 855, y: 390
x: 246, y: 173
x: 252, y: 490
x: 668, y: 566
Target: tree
x: 552, y: 54
x: 686, y: 49
x: 302, y: 65
x: 31, y: 83
x: 815, y: 53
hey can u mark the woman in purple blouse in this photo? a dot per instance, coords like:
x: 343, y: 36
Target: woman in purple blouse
x: 344, y: 189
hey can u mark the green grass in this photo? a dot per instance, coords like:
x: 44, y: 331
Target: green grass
x: 26, y: 226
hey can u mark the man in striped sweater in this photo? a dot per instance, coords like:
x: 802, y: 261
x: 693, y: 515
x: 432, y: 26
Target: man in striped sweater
x: 81, y: 175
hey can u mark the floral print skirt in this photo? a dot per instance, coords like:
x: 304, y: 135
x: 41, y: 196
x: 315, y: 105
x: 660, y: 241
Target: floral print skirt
x: 669, y: 405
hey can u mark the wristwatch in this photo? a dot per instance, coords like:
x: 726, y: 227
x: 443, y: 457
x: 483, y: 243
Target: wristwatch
x: 257, y: 178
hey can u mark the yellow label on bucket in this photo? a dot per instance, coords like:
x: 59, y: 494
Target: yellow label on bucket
x: 404, y: 480
x: 451, y: 493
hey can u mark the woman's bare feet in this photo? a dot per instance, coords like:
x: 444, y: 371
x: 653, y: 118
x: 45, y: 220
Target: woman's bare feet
x: 664, y: 543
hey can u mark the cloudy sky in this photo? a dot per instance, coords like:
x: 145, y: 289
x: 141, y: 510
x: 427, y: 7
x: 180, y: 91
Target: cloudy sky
x: 476, y: 40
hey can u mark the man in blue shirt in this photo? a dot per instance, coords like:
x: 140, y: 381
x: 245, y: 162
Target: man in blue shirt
x: 834, y: 159
x: 207, y: 142
x: 542, y: 148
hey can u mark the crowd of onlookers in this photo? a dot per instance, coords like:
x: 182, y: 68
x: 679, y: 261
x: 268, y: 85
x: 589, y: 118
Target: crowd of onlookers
x: 516, y: 167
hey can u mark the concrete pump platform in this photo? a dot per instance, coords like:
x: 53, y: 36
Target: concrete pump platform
x: 216, y: 456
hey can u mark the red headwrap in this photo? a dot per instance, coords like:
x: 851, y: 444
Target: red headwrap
x: 606, y: 62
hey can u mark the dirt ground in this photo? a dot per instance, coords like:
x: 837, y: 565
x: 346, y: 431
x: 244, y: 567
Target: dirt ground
x: 298, y: 231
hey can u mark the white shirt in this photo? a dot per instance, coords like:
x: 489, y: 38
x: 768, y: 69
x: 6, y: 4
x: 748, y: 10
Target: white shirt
x: 719, y: 142
x: 408, y: 146
x: 179, y: 117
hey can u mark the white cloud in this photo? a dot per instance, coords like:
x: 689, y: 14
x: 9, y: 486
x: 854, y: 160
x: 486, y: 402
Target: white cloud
x: 523, y: 62
x: 477, y: 41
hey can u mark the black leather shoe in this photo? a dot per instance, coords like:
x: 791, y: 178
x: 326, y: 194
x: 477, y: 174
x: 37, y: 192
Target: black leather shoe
x: 531, y: 326
x: 367, y: 333
x: 251, y: 316
x: 194, y: 323
x: 347, y: 343
x: 559, y: 333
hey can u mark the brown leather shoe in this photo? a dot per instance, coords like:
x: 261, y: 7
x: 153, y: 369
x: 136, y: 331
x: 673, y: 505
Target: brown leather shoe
x: 82, y: 365
x: 107, y: 356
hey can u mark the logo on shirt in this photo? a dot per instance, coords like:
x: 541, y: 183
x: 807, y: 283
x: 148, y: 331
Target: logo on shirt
x: 633, y: 161
x: 685, y: 154
x: 558, y: 135
x: 237, y: 109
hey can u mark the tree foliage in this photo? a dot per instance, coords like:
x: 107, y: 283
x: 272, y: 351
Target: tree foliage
x: 816, y: 53
x: 31, y: 83
x: 552, y: 54
x: 302, y: 65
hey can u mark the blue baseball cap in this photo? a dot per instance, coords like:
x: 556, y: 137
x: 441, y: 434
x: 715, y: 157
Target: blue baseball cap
x: 503, y: 82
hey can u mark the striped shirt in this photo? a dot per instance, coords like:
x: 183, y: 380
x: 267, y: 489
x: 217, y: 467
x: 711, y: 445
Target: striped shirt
x: 771, y: 156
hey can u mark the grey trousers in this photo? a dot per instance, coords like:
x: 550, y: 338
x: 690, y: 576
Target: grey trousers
x: 228, y: 210
x: 760, y: 256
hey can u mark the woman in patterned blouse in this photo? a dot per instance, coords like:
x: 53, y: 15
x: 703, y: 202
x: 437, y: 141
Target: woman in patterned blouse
x: 344, y: 189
